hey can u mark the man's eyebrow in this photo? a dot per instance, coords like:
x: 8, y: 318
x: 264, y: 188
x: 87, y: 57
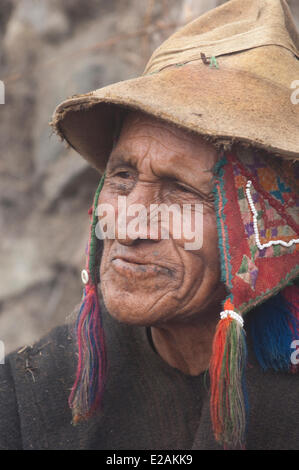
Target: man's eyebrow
x: 118, y: 160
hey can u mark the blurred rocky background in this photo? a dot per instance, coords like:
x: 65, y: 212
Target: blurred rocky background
x: 49, y: 50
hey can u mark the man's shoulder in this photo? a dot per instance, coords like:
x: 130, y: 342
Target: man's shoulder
x: 52, y: 355
x: 273, y: 408
x: 36, y: 381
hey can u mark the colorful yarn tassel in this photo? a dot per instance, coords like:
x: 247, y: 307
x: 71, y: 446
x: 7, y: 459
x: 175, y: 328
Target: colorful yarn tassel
x: 87, y: 391
x: 274, y: 325
x: 86, y: 394
x: 228, y: 393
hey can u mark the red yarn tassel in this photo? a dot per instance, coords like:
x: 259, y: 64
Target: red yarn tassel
x: 86, y: 394
x: 228, y: 404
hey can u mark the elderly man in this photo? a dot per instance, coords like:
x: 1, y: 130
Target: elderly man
x: 210, y: 127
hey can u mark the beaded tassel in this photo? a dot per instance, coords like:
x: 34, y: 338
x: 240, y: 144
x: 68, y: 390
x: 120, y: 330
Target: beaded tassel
x: 86, y: 394
x: 228, y: 394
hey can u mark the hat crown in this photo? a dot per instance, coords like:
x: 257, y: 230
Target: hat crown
x: 248, y: 94
x: 233, y: 27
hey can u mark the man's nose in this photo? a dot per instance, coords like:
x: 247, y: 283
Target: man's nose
x: 134, y: 225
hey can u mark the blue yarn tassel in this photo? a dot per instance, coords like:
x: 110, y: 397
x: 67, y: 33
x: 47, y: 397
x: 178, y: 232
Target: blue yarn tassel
x: 273, y: 328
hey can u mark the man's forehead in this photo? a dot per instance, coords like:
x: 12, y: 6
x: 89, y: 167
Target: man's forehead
x: 169, y: 148
x: 137, y: 122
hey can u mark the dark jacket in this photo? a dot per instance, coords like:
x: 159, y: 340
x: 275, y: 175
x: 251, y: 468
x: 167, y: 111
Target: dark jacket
x: 147, y: 403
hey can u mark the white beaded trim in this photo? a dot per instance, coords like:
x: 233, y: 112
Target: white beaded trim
x: 255, y: 227
x: 232, y: 314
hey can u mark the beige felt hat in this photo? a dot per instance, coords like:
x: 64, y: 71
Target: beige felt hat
x: 243, y: 95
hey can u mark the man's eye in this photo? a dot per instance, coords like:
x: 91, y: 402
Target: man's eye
x: 184, y: 189
x: 208, y: 198
x: 123, y: 174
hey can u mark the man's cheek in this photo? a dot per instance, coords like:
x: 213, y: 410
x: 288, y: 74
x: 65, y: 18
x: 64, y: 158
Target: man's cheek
x: 104, y: 265
x: 107, y: 214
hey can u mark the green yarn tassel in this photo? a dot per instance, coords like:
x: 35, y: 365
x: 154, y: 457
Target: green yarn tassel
x: 229, y: 404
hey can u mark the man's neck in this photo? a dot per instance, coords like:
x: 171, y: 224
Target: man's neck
x: 186, y: 346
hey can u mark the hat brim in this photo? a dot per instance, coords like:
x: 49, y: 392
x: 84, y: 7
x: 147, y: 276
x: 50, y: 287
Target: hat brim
x: 223, y: 105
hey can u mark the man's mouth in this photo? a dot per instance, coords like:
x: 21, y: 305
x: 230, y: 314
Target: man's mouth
x: 131, y: 266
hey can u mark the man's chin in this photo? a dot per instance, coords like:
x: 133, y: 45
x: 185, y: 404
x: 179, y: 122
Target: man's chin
x: 136, y: 312
x: 130, y: 318
x: 137, y: 284
x: 134, y: 301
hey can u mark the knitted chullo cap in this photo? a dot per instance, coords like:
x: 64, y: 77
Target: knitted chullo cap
x: 227, y: 76
x: 257, y: 209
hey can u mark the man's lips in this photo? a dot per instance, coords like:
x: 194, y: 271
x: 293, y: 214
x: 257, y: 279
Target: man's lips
x: 131, y: 266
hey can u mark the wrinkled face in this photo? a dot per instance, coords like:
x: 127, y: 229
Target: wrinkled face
x: 154, y: 280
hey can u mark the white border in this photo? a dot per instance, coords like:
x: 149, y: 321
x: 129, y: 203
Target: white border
x: 256, y: 231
